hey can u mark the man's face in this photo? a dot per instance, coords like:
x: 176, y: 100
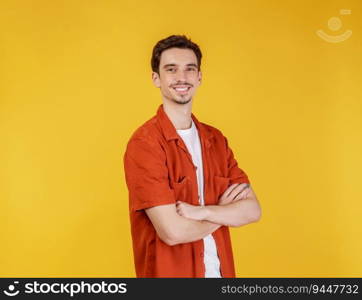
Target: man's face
x: 179, y: 77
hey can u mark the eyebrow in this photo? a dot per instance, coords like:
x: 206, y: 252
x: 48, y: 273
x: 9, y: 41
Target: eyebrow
x: 173, y: 65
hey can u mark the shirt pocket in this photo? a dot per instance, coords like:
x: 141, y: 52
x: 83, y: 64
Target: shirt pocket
x: 220, y: 185
x: 180, y: 188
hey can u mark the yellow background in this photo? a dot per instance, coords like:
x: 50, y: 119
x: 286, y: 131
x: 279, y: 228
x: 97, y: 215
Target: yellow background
x: 75, y: 82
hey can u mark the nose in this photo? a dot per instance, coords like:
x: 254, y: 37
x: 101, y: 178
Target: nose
x: 181, y: 76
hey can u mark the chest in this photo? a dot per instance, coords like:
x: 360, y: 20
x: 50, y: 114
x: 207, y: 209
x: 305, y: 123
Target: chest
x: 184, y: 159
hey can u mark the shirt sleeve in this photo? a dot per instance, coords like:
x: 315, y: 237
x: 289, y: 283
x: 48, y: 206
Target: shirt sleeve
x: 146, y: 175
x: 235, y: 174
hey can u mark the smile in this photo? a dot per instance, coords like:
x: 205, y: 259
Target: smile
x: 182, y: 89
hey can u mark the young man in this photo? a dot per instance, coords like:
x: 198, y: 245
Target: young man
x: 185, y: 187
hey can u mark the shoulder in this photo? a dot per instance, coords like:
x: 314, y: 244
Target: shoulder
x: 147, y: 132
x: 143, y: 131
x: 147, y: 138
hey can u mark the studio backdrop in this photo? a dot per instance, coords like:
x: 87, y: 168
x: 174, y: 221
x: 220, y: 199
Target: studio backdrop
x: 281, y: 79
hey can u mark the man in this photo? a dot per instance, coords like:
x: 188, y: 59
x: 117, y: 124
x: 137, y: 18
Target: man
x: 185, y: 187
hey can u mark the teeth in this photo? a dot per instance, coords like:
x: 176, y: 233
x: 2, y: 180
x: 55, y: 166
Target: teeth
x: 181, y: 89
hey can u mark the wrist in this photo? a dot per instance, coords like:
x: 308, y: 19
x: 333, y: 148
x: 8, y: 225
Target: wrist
x: 206, y: 212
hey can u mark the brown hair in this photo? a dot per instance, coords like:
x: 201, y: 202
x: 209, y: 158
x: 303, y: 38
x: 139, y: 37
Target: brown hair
x: 173, y: 41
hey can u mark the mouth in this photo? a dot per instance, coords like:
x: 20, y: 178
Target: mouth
x: 181, y: 89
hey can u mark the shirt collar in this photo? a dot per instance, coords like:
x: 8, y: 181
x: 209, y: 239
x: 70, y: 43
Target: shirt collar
x: 169, y: 131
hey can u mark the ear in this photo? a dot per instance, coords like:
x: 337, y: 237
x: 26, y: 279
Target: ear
x: 200, y: 77
x: 156, y: 79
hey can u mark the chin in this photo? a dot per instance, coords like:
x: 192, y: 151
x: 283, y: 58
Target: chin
x: 181, y: 101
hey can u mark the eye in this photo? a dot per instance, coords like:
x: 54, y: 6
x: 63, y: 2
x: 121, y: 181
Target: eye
x: 170, y: 69
x: 191, y: 69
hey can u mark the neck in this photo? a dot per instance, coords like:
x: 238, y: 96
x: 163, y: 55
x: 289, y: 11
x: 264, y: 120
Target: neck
x: 179, y: 114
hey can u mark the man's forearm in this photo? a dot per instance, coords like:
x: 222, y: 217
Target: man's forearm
x: 234, y: 214
x: 191, y: 230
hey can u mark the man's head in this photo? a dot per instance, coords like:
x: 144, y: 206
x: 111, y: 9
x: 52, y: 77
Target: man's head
x: 176, y: 62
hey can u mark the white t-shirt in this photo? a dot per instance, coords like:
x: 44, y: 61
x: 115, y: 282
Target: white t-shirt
x: 192, y: 141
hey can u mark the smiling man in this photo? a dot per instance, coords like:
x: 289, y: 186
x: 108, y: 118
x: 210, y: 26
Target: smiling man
x: 185, y: 186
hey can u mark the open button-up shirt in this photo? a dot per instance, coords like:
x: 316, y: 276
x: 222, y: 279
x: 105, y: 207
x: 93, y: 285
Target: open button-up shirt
x: 159, y: 170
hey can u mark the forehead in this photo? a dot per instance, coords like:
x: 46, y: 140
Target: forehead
x: 178, y: 56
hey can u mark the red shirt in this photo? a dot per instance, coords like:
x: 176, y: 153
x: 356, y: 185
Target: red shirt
x: 159, y: 170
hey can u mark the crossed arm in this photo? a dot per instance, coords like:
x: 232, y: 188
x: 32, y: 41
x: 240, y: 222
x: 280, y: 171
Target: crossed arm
x: 183, y: 223
x: 147, y: 177
x: 237, y: 206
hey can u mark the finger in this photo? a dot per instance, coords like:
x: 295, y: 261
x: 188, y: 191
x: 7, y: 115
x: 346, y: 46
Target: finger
x: 234, y: 188
x: 243, y: 194
x: 230, y: 189
x: 227, y: 192
x: 238, y: 190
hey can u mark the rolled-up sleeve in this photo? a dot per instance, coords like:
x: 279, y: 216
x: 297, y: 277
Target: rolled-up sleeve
x: 235, y: 174
x: 146, y: 175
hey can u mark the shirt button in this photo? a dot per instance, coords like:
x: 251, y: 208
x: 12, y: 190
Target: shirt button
x: 201, y: 254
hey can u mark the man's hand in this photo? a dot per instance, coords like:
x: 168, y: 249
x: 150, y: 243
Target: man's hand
x: 195, y: 212
x: 240, y: 207
x: 234, y: 192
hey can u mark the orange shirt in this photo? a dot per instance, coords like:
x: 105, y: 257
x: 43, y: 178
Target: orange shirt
x: 159, y: 170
